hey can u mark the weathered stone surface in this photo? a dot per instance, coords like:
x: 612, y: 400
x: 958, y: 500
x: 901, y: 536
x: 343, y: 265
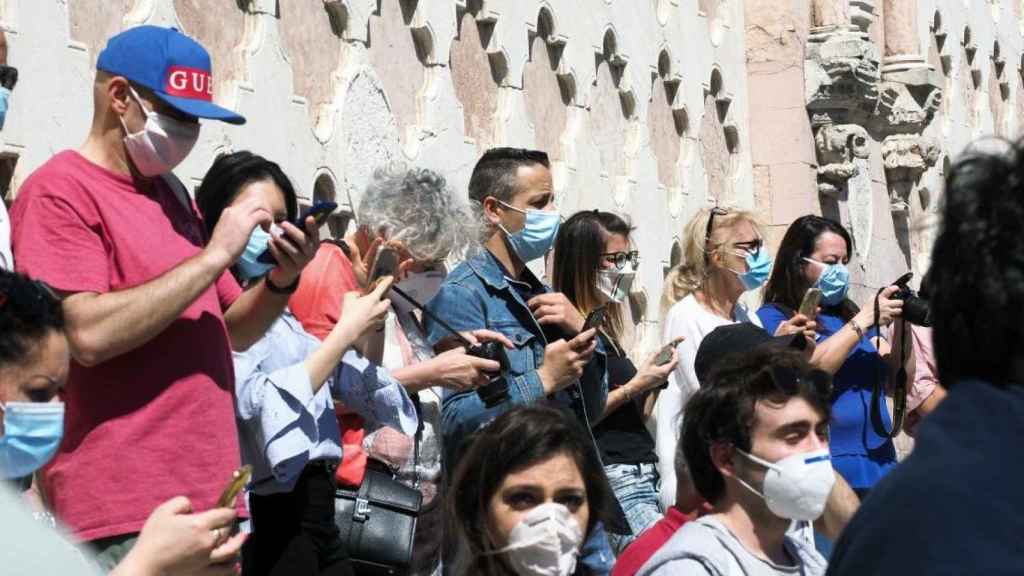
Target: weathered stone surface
x: 93, y: 22
x: 906, y: 157
x: 314, y: 50
x: 220, y: 28
x: 608, y: 125
x: 474, y: 83
x: 544, y: 98
x: 841, y: 74
x: 838, y: 147
x: 717, y: 152
x: 398, y: 60
x: 900, y: 28
x: 668, y: 128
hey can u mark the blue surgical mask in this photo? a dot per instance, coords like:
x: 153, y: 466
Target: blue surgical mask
x: 248, y: 265
x: 32, y: 434
x: 5, y: 94
x: 536, y: 237
x: 834, y: 282
x: 759, y: 266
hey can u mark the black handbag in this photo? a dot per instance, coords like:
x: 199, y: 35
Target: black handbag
x: 378, y: 521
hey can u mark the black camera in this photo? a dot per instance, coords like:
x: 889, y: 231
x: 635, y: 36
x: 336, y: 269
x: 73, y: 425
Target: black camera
x: 496, y: 391
x: 8, y: 76
x: 916, y: 309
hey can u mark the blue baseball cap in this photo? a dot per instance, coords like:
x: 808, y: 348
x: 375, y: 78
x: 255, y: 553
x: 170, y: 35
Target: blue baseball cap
x: 175, y: 67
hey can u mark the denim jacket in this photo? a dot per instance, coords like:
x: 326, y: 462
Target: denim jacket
x: 477, y: 295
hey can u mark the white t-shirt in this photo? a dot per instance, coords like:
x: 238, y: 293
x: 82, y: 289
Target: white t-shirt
x: 6, y: 258
x: 689, y: 319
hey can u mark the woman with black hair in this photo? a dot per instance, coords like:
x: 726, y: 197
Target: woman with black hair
x: 284, y: 387
x: 814, y: 253
x: 526, y: 494
x: 594, y: 267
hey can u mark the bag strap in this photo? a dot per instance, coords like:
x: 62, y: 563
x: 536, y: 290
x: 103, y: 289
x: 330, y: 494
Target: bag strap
x: 179, y: 190
x: 899, y: 401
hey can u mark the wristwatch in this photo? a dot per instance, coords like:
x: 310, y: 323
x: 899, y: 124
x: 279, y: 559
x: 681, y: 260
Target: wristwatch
x: 289, y: 289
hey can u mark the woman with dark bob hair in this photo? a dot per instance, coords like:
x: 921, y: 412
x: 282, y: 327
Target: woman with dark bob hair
x: 814, y: 253
x: 285, y: 384
x: 527, y: 493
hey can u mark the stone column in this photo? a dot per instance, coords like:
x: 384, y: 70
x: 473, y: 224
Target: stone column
x: 900, y: 31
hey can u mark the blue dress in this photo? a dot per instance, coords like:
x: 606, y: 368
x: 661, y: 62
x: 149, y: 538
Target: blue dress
x: 858, y: 452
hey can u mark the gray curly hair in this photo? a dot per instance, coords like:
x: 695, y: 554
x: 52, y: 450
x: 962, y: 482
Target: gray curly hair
x: 416, y: 207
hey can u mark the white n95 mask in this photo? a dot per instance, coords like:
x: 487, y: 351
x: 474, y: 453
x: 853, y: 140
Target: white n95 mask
x: 546, y: 542
x: 796, y: 487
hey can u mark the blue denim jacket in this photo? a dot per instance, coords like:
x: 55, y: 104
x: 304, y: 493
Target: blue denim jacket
x: 477, y: 295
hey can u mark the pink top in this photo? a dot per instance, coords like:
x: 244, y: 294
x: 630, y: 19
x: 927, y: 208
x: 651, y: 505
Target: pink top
x: 155, y: 422
x: 926, y: 375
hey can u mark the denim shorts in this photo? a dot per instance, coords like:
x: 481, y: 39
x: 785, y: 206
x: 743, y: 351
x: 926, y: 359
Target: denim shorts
x: 636, y: 488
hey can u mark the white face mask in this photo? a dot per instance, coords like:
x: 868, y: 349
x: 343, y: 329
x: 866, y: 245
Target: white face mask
x: 797, y: 486
x: 546, y: 542
x: 162, y: 144
x: 421, y: 286
x: 615, y: 283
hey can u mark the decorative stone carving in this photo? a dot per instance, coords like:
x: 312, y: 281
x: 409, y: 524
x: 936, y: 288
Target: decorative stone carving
x: 719, y: 142
x: 909, y: 99
x: 862, y: 14
x: 841, y: 72
x: 838, y: 146
x: 906, y: 157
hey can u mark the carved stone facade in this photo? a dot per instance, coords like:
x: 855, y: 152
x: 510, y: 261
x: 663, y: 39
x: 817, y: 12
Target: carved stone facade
x: 849, y: 108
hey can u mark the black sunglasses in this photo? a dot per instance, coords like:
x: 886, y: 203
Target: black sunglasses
x: 716, y: 211
x: 620, y: 258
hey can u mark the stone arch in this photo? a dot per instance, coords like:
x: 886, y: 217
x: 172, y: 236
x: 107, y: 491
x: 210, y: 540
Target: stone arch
x: 549, y: 88
x: 325, y: 189
x: 719, y: 140
x: 668, y: 121
x: 477, y: 73
x: 969, y: 78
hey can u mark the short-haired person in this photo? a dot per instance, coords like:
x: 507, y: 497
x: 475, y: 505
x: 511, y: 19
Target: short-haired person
x: 955, y: 502
x: 756, y: 443
x: 415, y: 212
x: 527, y: 492
x: 553, y: 360
x: 594, y: 266
x: 814, y: 253
x: 723, y: 256
x: 284, y: 388
x: 152, y: 314
x: 34, y: 363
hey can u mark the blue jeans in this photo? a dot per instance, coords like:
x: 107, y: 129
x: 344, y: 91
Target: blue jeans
x: 596, y: 554
x: 636, y: 488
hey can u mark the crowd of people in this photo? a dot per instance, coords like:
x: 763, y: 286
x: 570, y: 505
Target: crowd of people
x: 204, y: 385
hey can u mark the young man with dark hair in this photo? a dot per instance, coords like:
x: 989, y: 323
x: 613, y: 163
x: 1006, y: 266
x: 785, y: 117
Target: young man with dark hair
x: 513, y: 193
x: 954, y: 505
x: 755, y: 439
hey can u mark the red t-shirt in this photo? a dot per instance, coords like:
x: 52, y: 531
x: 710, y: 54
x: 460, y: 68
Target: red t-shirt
x: 643, y: 548
x: 155, y: 422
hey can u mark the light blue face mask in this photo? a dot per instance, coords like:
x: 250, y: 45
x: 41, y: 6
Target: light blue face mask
x: 759, y: 266
x: 834, y: 282
x: 5, y: 94
x: 32, y: 434
x: 536, y: 237
x: 248, y: 265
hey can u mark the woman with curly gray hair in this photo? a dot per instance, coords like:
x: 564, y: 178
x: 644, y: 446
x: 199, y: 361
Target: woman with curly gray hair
x: 415, y: 212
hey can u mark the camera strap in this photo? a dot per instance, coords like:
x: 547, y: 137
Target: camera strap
x: 462, y: 339
x: 899, y: 401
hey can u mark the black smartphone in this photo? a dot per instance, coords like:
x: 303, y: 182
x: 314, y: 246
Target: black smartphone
x: 319, y: 212
x: 595, y: 319
x: 386, y: 264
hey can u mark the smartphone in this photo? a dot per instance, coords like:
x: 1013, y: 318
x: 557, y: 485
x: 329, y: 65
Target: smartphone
x: 319, y: 212
x: 239, y: 478
x: 386, y: 264
x: 665, y: 354
x: 595, y: 319
x: 809, y: 306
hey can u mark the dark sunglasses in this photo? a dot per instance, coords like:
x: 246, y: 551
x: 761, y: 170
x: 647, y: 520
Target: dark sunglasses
x: 620, y: 258
x: 716, y: 211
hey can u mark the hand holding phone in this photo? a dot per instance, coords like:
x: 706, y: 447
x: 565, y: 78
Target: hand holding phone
x: 809, y: 305
x: 320, y: 212
x: 385, y: 264
x: 595, y: 319
x: 239, y: 478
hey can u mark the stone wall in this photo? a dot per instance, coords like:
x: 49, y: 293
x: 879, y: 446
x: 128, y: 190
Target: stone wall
x: 653, y: 108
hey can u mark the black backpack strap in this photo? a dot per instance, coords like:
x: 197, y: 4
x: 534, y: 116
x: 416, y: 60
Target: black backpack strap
x: 180, y: 191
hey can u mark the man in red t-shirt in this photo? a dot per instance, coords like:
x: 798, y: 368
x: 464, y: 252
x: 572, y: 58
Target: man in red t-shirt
x: 152, y: 315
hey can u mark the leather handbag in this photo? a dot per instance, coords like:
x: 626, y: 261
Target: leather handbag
x: 378, y: 521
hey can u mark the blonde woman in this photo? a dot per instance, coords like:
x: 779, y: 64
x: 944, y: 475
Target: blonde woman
x: 723, y: 256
